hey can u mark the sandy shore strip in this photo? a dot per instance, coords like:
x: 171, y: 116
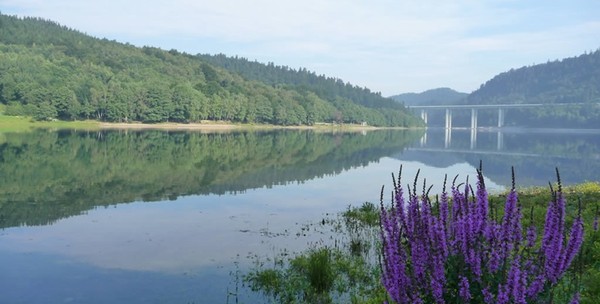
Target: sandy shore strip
x: 172, y: 126
x: 225, y: 126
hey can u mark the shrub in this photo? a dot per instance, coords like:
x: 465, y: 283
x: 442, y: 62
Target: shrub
x: 463, y: 250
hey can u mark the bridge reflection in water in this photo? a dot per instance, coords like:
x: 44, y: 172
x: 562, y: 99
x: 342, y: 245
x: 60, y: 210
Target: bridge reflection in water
x: 544, y: 143
x: 499, y: 134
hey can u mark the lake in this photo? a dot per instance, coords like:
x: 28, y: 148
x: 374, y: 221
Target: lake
x: 177, y: 217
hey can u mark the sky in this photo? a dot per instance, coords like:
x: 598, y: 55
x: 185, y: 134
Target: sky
x: 388, y: 46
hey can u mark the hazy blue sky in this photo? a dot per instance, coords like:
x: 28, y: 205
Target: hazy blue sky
x: 385, y: 45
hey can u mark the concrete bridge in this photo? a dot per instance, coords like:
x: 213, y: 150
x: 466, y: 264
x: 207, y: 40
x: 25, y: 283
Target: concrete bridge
x: 501, y: 108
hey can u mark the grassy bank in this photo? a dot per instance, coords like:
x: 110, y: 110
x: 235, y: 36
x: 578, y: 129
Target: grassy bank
x: 347, y: 270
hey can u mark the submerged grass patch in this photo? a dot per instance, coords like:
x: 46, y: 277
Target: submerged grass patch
x: 348, y: 269
x: 344, y: 270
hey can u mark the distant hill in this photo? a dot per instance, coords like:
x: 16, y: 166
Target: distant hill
x: 573, y: 80
x: 439, y: 96
x: 49, y: 71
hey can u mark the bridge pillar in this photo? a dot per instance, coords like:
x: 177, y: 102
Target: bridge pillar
x: 473, y: 118
x: 473, y: 138
x: 448, y: 118
x: 424, y: 115
x: 447, y: 138
x: 500, y: 143
x: 500, y: 117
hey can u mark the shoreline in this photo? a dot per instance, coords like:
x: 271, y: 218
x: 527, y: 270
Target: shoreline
x: 228, y: 126
x: 168, y: 126
x: 22, y: 123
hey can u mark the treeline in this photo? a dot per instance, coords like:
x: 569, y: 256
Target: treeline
x: 328, y: 88
x: 48, y: 71
x: 568, y: 81
x: 46, y: 176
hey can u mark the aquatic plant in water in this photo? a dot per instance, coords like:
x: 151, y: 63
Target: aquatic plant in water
x: 342, y: 269
x: 460, y: 249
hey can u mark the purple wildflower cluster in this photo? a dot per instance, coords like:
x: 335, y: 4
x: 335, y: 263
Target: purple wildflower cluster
x: 457, y: 249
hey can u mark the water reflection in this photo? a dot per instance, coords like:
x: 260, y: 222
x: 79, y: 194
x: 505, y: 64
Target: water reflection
x: 209, y: 230
x: 534, y: 153
x: 188, y: 246
x: 156, y: 216
x: 45, y: 176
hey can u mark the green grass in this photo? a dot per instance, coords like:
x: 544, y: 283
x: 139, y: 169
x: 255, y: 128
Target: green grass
x: 347, y: 273
x: 26, y: 124
x: 585, y: 269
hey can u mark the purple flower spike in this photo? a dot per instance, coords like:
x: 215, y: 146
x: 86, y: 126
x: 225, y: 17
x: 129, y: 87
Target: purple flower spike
x: 503, y: 295
x: 464, y: 292
x: 531, y: 236
x: 552, y: 244
x: 536, y: 287
x: 574, y: 244
x: 488, y: 297
x: 510, y: 231
x: 575, y: 299
x: 516, y: 282
x: 482, y: 204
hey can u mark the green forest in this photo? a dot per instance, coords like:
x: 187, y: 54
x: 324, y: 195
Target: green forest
x: 46, y: 175
x: 48, y: 71
x: 302, y: 80
x: 572, y: 81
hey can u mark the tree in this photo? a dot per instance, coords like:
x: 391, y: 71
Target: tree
x: 156, y: 103
x: 44, y: 111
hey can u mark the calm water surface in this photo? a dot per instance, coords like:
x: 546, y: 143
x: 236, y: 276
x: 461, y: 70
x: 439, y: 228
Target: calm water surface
x: 172, y: 217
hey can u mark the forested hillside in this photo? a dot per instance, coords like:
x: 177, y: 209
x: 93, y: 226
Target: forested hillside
x: 571, y: 80
x: 574, y: 81
x: 48, y: 71
x: 328, y: 88
x: 439, y: 96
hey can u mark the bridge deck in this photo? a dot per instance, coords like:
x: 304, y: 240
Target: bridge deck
x: 497, y: 106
